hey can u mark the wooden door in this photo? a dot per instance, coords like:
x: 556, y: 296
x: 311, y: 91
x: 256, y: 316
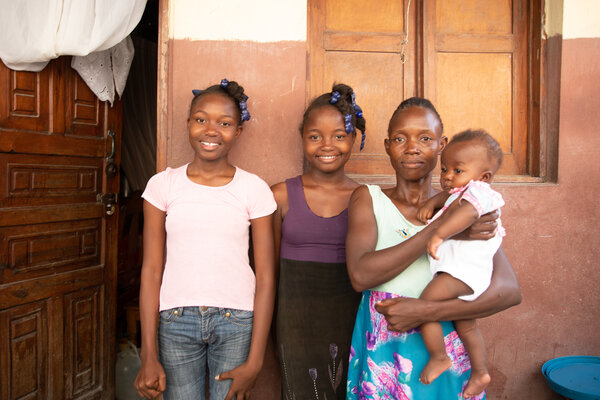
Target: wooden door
x: 58, y: 245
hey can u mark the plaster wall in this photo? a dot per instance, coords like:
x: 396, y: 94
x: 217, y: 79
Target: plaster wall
x: 552, y: 228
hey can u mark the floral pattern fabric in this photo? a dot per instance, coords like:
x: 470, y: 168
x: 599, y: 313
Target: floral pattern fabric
x: 385, y: 365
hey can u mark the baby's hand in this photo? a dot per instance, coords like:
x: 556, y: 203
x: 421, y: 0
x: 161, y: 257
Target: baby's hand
x: 433, y: 245
x: 425, y: 213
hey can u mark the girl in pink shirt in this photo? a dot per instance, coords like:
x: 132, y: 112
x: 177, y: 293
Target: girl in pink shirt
x: 215, y: 310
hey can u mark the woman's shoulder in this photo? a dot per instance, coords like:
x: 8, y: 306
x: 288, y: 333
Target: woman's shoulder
x: 280, y: 193
x: 249, y: 177
x: 167, y: 175
x: 361, y: 196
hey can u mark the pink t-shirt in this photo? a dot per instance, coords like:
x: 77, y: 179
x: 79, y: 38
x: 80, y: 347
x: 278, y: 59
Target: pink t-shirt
x: 207, y: 238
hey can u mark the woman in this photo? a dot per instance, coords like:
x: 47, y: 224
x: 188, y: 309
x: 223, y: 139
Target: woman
x: 385, y: 252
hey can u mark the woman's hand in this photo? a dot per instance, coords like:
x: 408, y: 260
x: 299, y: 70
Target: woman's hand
x: 404, y: 313
x: 482, y: 229
x: 150, y: 381
x: 244, y: 378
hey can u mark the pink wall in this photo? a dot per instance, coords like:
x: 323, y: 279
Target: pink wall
x: 554, y: 246
x: 274, y: 78
x: 552, y: 228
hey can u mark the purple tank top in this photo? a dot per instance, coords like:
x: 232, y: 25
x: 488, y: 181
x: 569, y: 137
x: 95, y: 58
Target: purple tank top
x: 309, y: 237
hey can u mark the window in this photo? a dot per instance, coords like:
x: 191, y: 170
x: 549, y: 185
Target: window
x: 477, y: 61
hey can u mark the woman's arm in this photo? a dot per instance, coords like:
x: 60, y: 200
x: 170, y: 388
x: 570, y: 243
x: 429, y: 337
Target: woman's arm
x: 151, y: 381
x: 245, y: 375
x: 368, y: 268
x: 403, y: 314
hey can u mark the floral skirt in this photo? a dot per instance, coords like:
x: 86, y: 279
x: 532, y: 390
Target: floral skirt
x: 386, y: 364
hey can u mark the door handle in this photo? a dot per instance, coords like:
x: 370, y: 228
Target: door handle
x: 111, y: 168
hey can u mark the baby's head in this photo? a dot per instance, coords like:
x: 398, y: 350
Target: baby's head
x: 470, y: 155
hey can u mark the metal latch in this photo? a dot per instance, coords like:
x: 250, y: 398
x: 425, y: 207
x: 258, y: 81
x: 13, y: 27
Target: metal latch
x: 111, y: 168
x: 109, y: 200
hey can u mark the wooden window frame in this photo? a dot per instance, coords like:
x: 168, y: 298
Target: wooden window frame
x: 543, y: 91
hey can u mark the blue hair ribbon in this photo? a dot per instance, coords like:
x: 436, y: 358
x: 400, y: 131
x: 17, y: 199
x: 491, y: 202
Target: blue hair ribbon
x: 348, y: 123
x: 335, y: 96
x: 358, y: 111
x: 362, y: 141
x: 245, y: 115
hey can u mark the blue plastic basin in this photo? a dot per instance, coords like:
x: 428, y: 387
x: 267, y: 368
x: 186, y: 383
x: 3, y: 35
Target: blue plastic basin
x: 575, y: 377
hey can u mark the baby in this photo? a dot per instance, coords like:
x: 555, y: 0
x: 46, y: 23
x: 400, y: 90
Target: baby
x: 461, y: 268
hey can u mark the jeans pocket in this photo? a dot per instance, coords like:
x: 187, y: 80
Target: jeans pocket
x: 238, y: 317
x: 168, y: 316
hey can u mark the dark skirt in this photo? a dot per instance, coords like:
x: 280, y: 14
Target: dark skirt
x: 316, y: 311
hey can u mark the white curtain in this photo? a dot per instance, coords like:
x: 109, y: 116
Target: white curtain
x: 33, y: 32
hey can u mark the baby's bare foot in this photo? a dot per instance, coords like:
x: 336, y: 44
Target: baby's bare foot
x: 477, y: 383
x: 434, y: 368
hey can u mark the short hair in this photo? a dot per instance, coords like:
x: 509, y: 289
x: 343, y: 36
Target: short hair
x: 417, y: 102
x: 344, y: 104
x: 233, y: 90
x: 491, y: 145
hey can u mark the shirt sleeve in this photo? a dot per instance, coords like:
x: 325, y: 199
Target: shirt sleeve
x: 156, y: 191
x: 261, y: 201
x: 482, y: 197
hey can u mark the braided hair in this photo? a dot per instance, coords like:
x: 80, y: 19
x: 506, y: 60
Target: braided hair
x: 341, y: 97
x: 231, y: 89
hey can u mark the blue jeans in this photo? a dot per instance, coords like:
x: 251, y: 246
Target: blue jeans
x: 190, y: 338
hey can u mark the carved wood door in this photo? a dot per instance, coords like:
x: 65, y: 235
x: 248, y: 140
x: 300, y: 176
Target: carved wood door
x: 57, y: 243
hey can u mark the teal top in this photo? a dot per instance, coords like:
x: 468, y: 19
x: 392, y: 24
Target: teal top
x: 394, y: 228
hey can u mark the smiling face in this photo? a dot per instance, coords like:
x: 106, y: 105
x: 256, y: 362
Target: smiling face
x: 414, y: 142
x: 213, y: 126
x: 326, y: 144
x: 462, y: 162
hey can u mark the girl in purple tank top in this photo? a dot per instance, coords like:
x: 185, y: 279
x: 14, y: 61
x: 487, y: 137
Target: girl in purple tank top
x: 316, y: 303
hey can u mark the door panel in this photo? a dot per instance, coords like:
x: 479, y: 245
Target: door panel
x: 58, y: 245
x: 363, y: 16
x: 25, y: 352
x: 466, y: 78
x: 25, y: 103
x: 85, y: 113
x: 362, y: 71
x: 83, y: 343
x: 33, y: 180
x: 41, y: 250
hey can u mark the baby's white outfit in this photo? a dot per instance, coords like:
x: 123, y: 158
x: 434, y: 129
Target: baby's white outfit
x: 471, y: 260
